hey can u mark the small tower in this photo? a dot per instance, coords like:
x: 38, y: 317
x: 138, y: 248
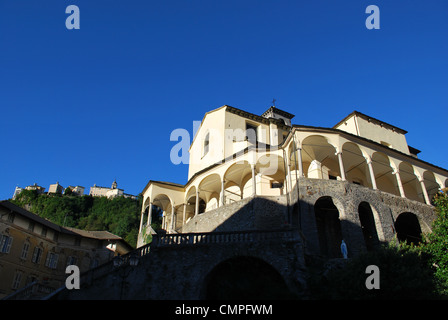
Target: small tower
x: 114, y: 184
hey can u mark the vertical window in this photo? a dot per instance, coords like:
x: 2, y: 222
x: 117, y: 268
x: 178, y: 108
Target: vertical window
x: 37, y: 255
x: 52, y: 260
x: 25, y: 249
x: 17, y: 279
x: 206, y: 143
x: 251, y: 133
x: 72, y: 260
x: 31, y: 226
x: 5, y: 243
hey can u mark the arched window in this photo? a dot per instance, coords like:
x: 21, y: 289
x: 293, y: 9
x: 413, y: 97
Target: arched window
x: 206, y: 143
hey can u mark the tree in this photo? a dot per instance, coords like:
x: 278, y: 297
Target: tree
x: 435, y: 244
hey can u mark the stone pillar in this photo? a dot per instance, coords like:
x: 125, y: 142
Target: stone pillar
x: 254, y: 186
x: 149, y: 220
x: 185, y: 212
x: 141, y: 222
x: 196, y: 209
x: 341, y: 166
x: 372, y: 174
x: 425, y: 193
x: 299, y: 153
x: 400, y: 184
x: 222, y: 192
x: 173, y: 222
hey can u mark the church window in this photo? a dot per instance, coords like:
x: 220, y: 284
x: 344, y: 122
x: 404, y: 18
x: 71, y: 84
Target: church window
x: 206, y: 143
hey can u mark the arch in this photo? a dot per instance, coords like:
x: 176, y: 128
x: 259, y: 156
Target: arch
x: 368, y: 226
x: 328, y: 227
x: 271, y: 173
x: 245, y: 277
x: 408, y: 228
x: 209, y: 190
x: 233, y: 181
x: 411, y: 186
x: 355, y: 164
x: 384, y: 177
x: 432, y: 187
x: 319, y: 158
x: 162, y: 208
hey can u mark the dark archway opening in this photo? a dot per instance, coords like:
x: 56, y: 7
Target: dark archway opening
x: 368, y: 226
x: 245, y: 278
x: 328, y: 227
x: 408, y: 228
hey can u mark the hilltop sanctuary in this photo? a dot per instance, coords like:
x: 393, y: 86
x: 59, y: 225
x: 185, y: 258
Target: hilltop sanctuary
x: 358, y: 181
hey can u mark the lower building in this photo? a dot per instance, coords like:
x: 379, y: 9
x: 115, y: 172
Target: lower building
x: 35, y: 250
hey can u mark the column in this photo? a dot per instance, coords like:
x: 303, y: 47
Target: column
x: 400, y: 184
x: 299, y: 153
x: 196, y: 209
x: 372, y: 175
x: 425, y: 193
x: 254, y: 186
x: 149, y: 220
x: 185, y: 212
x: 141, y: 222
x: 173, y: 222
x: 222, y: 192
x: 341, y: 166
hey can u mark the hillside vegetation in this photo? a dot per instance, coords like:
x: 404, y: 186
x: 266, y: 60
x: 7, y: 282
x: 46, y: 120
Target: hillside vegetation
x: 120, y: 216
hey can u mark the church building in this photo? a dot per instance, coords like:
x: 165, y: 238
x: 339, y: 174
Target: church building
x: 360, y: 172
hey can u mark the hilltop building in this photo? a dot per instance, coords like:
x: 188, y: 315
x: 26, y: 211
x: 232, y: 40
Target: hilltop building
x: 112, y: 192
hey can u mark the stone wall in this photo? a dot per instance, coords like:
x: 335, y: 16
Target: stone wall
x: 253, y: 213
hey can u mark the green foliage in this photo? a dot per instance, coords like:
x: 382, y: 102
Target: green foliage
x: 120, y: 216
x: 406, y: 271
x: 435, y: 244
x: 403, y: 275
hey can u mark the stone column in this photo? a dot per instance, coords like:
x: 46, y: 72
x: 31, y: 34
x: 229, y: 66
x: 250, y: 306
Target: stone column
x: 299, y: 153
x: 341, y: 166
x: 372, y: 174
x: 173, y: 222
x: 425, y: 193
x: 185, y: 212
x: 400, y: 184
x: 141, y: 222
x: 149, y: 220
x: 254, y: 186
x: 222, y: 192
x: 196, y: 209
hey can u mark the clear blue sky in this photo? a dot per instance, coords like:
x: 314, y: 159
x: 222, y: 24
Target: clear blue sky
x: 88, y: 106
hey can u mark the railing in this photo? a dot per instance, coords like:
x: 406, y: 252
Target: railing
x: 187, y: 239
x: 206, y: 238
x: 34, y: 289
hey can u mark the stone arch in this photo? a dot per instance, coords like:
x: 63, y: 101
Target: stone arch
x: 271, y: 172
x: 369, y: 223
x: 432, y: 187
x: 319, y: 158
x: 408, y: 228
x: 162, y: 204
x: 411, y: 186
x: 245, y: 277
x: 209, y: 190
x: 384, y: 177
x: 328, y: 226
x: 355, y: 165
x: 233, y: 181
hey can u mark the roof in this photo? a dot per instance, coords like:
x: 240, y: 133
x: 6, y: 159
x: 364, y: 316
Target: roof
x: 279, y: 111
x: 99, y: 235
x: 371, y: 119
